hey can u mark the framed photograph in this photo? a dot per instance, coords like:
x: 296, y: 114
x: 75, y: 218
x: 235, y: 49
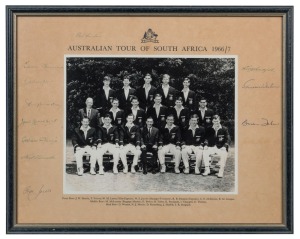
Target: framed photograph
x: 149, y: 119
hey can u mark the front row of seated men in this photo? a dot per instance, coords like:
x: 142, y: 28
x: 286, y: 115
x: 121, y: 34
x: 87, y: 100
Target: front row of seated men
x: 170, y: 139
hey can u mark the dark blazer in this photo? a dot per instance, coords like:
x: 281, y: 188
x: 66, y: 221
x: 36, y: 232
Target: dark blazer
x: 190, y: 102
x: 160, y: 120
x: 124, y: 103
x: 183, y: 120
x: 152, y: 140
x: 145, y: 103
x: 110, y: 136
x: 102, y: 103
x: 120, y: 118
x: 222, y: 139
x: 170, y: 137
x: 140, y: 117
x: 95, y: 121
x: 78, y: 139
x: 207, y: 120
x: 197, y: 139
x: 132, y: 136
x: 168, y: 101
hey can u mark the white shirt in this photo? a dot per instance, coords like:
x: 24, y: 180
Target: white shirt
x: 147, y: 89
x: 170, y: 128
x: 129, y: 126
x: 178, y: 110
x: 126, y: 92
x: 185, y: 93
x: 114, y: 112
x: 165, y: 89
x: 194, y: 130
x: 85, y: 130
x: 106, y: 91
x: 157, y: 109
x: 202, y: 112
x: 134, y: 111
x: 217, y: 128
x: 107, y: 127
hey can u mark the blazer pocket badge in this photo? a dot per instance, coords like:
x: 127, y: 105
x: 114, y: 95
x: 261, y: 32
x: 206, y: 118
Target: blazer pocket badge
x: 170, y: 97
x: 190, y: 101
x: 163, y: 118
x: 197, y: 138
x: 183, y: 119
x: 140, y: 119
x: 111, y: 136
x: 207, y: 119
x: 111, y: 99
x: 150, y: 97
x: 119, y: 120
x: 221, y: 137
x: 173, y: 135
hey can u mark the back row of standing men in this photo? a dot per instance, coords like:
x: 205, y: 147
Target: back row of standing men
x: 169, y: 122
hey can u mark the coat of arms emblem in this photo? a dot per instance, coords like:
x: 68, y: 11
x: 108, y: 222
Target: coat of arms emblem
x: 150, y: 36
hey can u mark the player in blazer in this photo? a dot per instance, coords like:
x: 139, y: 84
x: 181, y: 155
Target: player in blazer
x: 146, y: 93
x: 117, y: 115
x: 125, y: 95
x: 105, y: 96
x: 92, y: 114
x: 149, y: 143
x: 169, y: 142
x: 181, y: 114
x: 85, y: 140
x: 108, y: 142
x: 217, y: 140
x: 138, y: 113
x: 193, y: 142
x: 131, y: 142
x: 158, y: 112
x: 188, y: 96
x: 168, y: 93
x: 205, y: 115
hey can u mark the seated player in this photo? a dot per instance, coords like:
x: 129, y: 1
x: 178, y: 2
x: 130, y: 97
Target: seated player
x: 181, y: 114
x: 132, y: 141
x: 217, y: 141
x: 108, y: 143
x: 149, y: 142
x: 158, y: 112
x: 193, y: 142
x: 137, y: 112
x: 170, y: 140
x: 85, y: 140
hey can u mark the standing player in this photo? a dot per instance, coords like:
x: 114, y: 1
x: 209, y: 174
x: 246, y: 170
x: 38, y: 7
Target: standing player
x: 167, y: 92
x: 188, y: 96
x: 117, y: 115
x: 181, y: 114
x: 108, y: 143
x: 158, y: 112
x: 137, y: 112
x: 146, y: 93
x: 217, y: 141
x: 132, y: 142
x: 125, y: 95
x: 85, y: 140
x: 149, y: 142
x: 170, y: 140
x: 105, y: 96
x: 193, y: 142
x: 205, y: 115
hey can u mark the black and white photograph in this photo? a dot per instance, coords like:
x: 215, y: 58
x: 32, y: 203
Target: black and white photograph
x: 150, y: 124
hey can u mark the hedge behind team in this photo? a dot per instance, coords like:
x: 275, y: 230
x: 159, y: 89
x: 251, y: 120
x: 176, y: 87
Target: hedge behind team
x: 153, y: 120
